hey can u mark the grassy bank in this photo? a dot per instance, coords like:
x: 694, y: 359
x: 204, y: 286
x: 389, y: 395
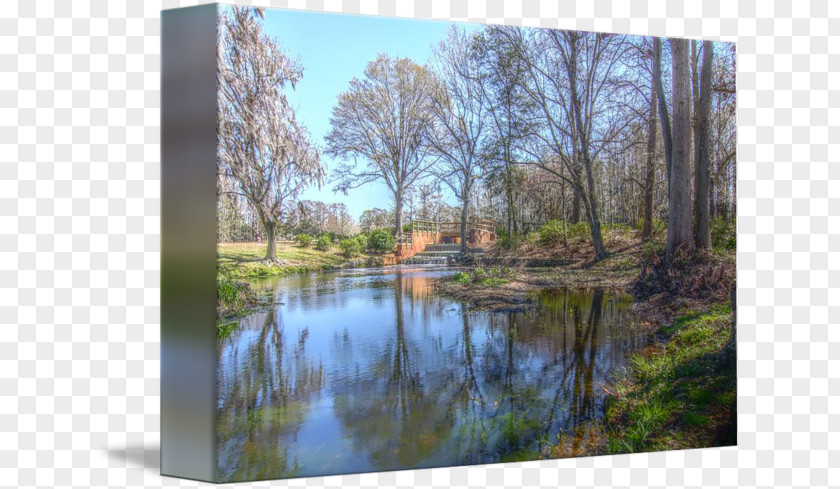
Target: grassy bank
x: 236, y: 263
x: 245, y: 260
x: 494, y: 283
x: 677, y: 395
x: 233, y: 297
x: 680, y: 394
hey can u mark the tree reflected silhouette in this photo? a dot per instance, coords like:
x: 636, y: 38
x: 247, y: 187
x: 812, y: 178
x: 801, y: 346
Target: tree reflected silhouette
x: 390, y: 376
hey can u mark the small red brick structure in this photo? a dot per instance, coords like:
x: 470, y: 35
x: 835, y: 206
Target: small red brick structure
x: 479, y: 231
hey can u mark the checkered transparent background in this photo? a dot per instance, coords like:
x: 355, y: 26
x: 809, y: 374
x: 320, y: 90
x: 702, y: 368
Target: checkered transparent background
x: 80, y: 253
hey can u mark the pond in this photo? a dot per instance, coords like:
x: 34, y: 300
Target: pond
x: 368, y: 370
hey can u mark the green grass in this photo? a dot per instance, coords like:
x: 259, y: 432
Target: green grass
x: 236, y: 263
x: 233, y: 297
x: 244, y: 260
x: 677, y: 396
x: 491, y: 277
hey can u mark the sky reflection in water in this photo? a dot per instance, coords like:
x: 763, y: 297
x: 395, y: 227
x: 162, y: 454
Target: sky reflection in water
x: 361, y: 371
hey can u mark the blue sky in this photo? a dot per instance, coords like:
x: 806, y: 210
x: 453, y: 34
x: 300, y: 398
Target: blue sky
x: 334, y: 48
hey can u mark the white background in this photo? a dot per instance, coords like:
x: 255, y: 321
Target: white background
x: 80, y: 231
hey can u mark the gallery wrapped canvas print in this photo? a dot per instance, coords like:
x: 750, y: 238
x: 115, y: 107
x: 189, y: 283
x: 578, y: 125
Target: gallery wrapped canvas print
x: 396, y: 244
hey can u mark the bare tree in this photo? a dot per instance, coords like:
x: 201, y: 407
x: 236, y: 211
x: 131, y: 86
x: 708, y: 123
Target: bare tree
x: 650, y: 164
x: 702, y: 155
x: 572, y: 82
x: 459, y: 121
x: 663, y: 106
x: 383, y: 119
x: 262, y: 148
x: 680, y: 232
x: 503, y: 75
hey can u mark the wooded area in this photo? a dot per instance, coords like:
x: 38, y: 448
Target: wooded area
x: 522, y: 126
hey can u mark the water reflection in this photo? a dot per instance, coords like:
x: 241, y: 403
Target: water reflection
x: 370, y: 371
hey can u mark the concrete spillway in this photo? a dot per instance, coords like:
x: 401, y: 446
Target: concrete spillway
x: 435, y: 254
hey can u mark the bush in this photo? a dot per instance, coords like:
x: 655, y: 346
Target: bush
x: 232, y: 296
x: 407, y: 228
x: 659, y: 227
x: 349, y: 247
x: 480, y: 276
x: 304, y: 240
x: 362, y: 240
x: 578, y: 230
x: 324, y: 243
x: 723, y: 234
x: 551, y: 233
x: 532, y: 238
x: 617, y: 227
x: 653, y: 250
x: 381, y: 240
x: 461, y: 278
x: 505, y: 241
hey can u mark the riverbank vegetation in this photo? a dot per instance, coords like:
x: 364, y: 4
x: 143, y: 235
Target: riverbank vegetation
x: 681, y: 393
x: 244, y: 260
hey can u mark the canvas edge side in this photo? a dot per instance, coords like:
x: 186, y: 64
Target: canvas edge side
x: 188, y: 242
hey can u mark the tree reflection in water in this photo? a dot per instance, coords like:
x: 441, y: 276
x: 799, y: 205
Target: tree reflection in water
x: 264, y: 397
x: 401, y: 378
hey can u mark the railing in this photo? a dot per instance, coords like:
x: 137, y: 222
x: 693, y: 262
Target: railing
x: 482, y: 224
x: 427, y: 226
x: 453, y: 227
x: 405, y: 239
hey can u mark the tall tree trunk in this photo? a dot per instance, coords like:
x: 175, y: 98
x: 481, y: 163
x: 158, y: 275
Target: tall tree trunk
x: 663, y: 106
x: 270, y: 227
x: 595, y: 230
x: 733, y: 197
x: 511, y: 227
x: 575, y: 206
x: 712, y: 197
x: 398, y: 200
x: 650, y: 167
x: 680, y: 233
x: 465, y: 207
x: 589, y: 198
x: 702, y: 163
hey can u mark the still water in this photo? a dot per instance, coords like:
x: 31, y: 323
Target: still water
x: 367, y: 370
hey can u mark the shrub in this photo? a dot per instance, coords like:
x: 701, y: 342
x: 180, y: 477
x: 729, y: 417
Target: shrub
x: 532, y: 238
x: 578, y: 230
x: 478, y: 275
x: 381, y: 240
x: 362, y: 240
x: 659, y: 227
x: 349, y: 247
x: 505, y: 241
x: 653, y: 250
x: 407, y: 228
x: 617, y: 227
x: 232, y: 296
x: 324, y: 243
x: 551, y: 233
x: 723, y: 234
x: 461, y: 277
x: 304, y: 240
